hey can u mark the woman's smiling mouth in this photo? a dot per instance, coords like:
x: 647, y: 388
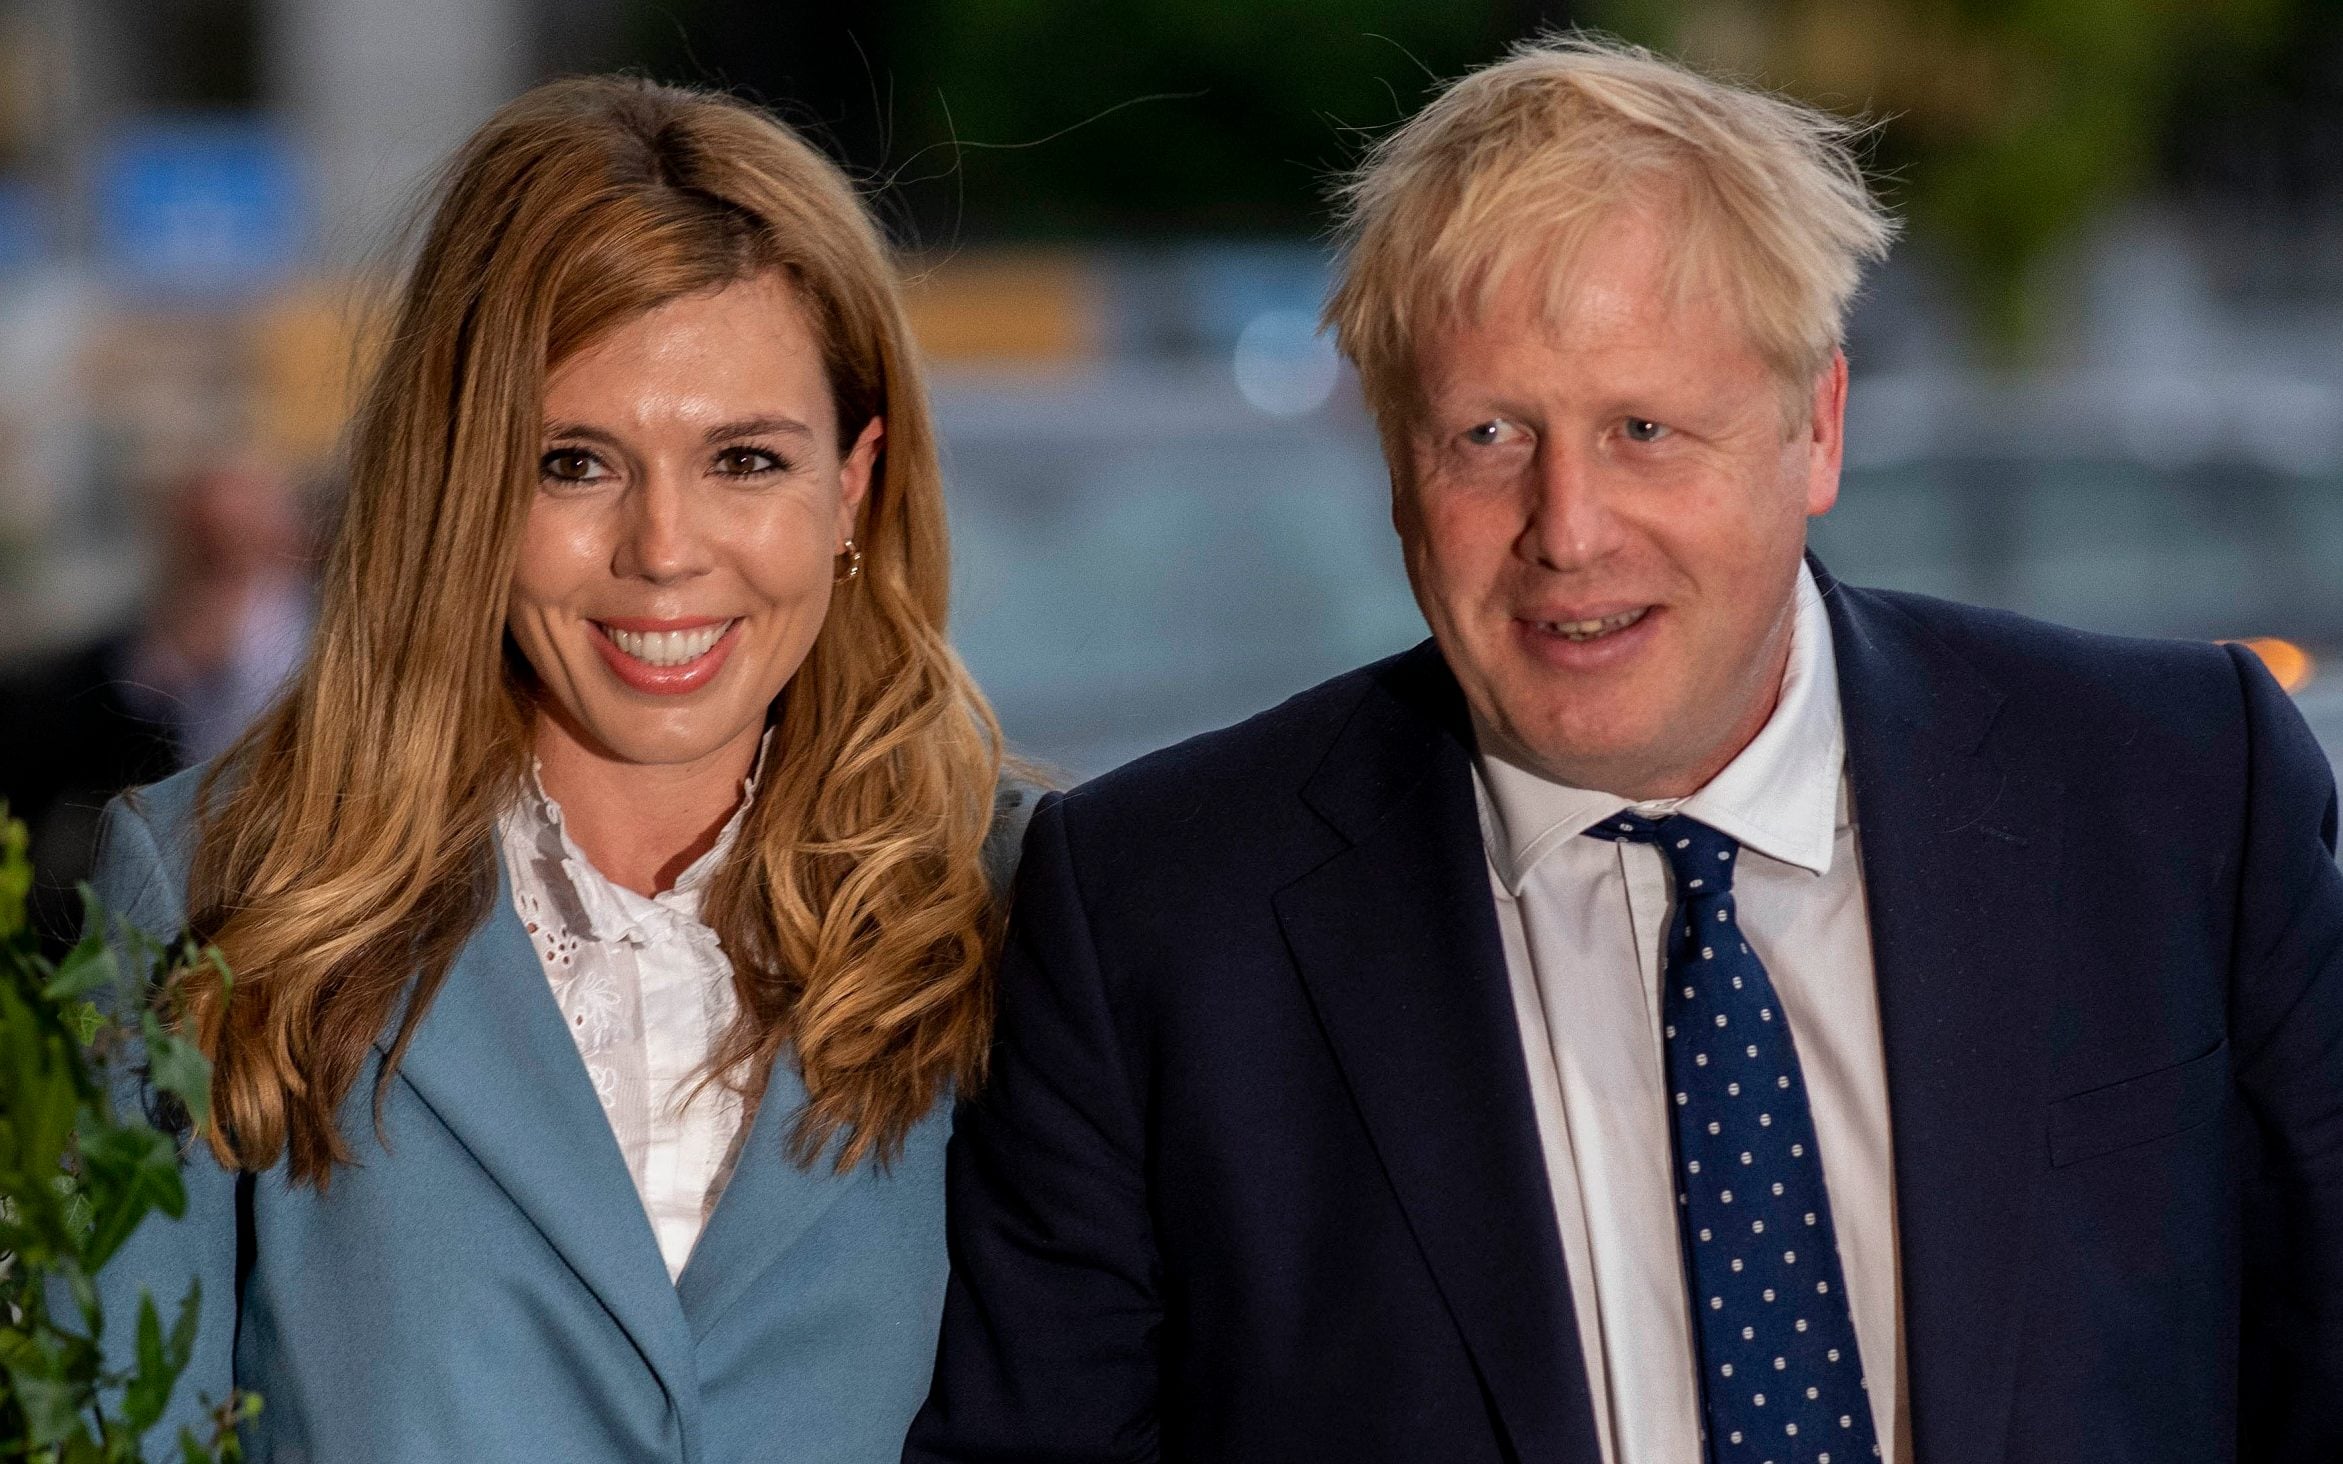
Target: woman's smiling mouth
x: 668, y: 659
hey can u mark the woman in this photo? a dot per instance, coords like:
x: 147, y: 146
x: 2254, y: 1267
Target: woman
x: 608, y: 895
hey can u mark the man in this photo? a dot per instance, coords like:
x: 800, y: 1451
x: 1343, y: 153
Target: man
x: 224, y: 625
x: 1690, y: 1009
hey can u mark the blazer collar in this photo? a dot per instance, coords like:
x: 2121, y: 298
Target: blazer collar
x: 769, y: 1203
x: 1396, y: 941
x: 493, y: 1061
x: 1960, y: 850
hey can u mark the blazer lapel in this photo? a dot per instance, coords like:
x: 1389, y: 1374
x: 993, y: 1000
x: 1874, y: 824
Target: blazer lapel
x: 1960, y: 860
x: 766, y: 1205
x: 1396, y: 939
x: 495, y: 1064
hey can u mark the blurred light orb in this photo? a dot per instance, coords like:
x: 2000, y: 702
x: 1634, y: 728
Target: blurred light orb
x: 2290, y: 665
x: 1284, y: 367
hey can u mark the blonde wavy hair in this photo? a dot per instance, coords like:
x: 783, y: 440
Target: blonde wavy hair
x: 1514, y: 166
x: 345, y: 854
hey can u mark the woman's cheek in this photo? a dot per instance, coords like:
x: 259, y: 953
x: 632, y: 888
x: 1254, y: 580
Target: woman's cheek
x: 789, y: 558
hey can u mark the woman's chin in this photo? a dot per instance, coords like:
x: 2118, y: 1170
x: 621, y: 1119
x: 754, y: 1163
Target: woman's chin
x: 667, y: 739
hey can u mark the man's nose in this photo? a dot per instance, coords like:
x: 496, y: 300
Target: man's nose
x: 1571, y: 523
x: 660, y: 539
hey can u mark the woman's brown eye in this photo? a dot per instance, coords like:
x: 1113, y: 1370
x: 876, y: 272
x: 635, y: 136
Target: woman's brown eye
x: 745, y: 461
x: 571, y: 467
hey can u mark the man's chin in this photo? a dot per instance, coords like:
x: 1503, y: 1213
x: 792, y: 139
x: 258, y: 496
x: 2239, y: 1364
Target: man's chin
x: 1608, y: 758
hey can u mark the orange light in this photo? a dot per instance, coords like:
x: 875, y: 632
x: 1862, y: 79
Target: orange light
x: 2289, y: 663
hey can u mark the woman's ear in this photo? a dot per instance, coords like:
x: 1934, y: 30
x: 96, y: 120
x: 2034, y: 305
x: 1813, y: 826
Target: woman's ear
x: 854, y: 476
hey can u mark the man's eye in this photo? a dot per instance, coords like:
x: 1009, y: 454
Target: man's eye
x: 570, y: 465
x: 746, y: 462
x: 1490, y: 433
x: 1643, y: 429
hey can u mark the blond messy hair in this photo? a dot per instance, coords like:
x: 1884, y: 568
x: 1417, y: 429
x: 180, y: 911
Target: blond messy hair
x: 1513, y: 167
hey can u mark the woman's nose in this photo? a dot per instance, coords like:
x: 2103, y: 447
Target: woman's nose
x: 659, y: 539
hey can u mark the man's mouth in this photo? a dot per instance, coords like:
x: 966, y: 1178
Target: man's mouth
x: 667, y: 648
x: 1586, y: 630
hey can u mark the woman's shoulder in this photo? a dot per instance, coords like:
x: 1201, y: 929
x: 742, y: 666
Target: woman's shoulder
x: 1013, y: 800
x: 169, y: 806
x: 146, y: 842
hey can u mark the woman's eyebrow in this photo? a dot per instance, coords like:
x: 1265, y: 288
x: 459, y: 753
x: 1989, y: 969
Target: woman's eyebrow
x: 721, y: 432
x: 759, y: 427
x: 578, y: 432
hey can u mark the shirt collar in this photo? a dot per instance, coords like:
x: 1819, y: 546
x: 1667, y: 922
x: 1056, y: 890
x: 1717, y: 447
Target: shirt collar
x: 1781, y: 796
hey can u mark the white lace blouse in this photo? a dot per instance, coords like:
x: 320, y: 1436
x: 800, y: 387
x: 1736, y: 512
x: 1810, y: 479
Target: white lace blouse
x: 647, y: 992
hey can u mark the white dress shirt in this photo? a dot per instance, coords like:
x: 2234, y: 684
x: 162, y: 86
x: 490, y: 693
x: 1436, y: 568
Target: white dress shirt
x: 1583, y: 924
x: 646, y: 990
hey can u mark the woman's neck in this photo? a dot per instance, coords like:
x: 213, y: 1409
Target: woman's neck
x: 641, y: 824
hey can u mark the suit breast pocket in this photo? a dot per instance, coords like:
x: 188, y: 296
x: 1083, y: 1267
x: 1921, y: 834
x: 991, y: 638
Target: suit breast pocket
x: 2137, y: 1110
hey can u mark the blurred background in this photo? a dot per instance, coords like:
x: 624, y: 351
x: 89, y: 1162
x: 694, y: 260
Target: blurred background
x: 2101, y: 380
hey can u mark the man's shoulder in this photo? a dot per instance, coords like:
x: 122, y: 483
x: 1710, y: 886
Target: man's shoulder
x: 2066, y: 669
x: 2081, y: 705
x: 1237, y: 776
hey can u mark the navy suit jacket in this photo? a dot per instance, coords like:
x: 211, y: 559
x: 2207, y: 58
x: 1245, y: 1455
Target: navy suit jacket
x: 1257, y: 1176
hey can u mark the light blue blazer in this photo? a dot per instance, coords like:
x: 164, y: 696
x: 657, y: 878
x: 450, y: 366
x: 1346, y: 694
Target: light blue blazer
x: 485, y: 1287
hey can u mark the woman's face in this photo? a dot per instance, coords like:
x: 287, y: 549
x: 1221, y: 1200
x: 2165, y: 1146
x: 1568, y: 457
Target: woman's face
x: 691, y: 503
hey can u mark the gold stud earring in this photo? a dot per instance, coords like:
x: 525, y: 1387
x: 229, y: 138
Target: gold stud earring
x: 851, y: 558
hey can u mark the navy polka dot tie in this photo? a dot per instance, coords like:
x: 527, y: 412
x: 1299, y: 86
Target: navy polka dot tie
x: 1781, y: 1380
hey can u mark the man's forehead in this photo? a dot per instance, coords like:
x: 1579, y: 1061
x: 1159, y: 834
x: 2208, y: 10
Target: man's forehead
x: 1628, y: 322
x: 1636, y: 267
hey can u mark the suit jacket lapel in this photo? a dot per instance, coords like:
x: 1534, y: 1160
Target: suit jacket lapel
x: 1960, y: 858
x: 1396, y: 939
x: 494, y: 1062
x: 767, y: 1204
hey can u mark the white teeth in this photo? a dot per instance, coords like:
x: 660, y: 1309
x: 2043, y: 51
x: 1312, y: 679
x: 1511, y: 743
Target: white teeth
x: 668, y: 647
x: 1583, y: 630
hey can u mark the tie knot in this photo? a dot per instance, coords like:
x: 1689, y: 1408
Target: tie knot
x: 1694, y: 851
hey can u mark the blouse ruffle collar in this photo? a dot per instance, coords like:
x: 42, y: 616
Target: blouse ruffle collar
x: 604, y: 910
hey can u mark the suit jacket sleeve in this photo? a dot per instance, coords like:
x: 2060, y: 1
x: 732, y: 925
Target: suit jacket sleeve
x: 2286, y: 1035
x: 164, y: 1257
x: 1049, y: 1334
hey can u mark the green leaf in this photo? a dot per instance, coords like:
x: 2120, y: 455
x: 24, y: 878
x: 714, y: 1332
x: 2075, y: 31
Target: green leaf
x: 90, y: 966
x: 179, y: 1348
x: 148, y: 1392
x: 86, y: 1022
x: 131, y: 1170
x: 15, y: 1349
x: 76, y: 1180
x: 51, y: 1406
x: 16, y: 874
x: 84, y: 1290
x: 149, y: 1387
x: 177, y: 1069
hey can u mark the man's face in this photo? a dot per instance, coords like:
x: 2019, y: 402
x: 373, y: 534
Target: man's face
x: 1603, y: 508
